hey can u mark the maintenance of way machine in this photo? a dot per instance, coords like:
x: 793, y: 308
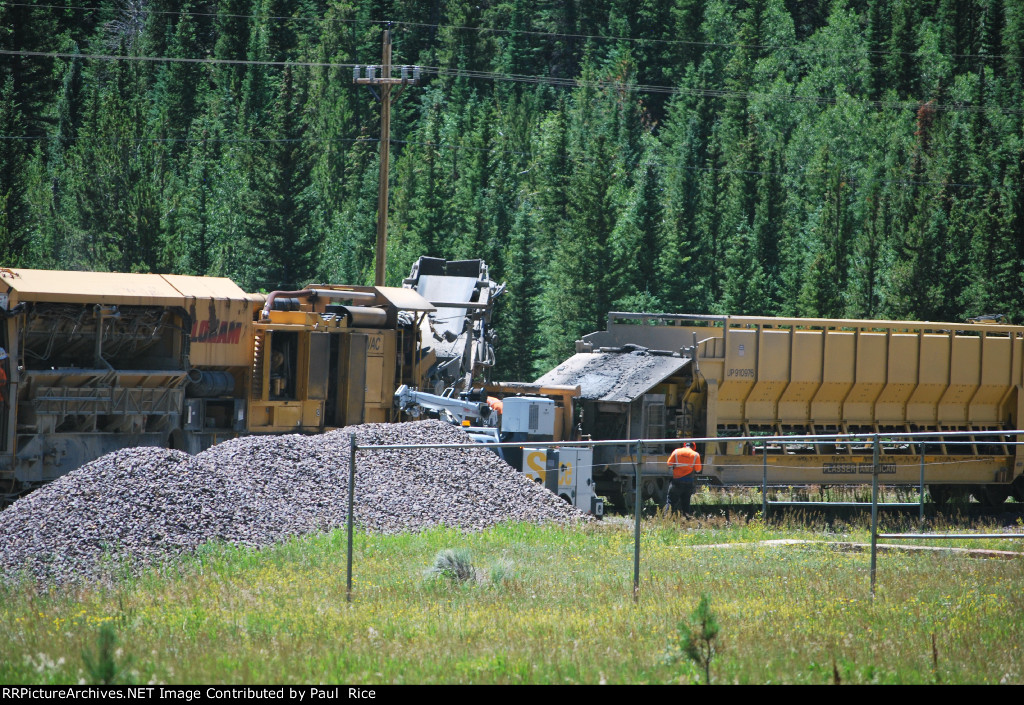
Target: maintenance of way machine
x: 665, y: 376
x: 102, y: 361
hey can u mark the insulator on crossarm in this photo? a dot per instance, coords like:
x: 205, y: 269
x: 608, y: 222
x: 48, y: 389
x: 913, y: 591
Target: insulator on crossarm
x: 405, y: 73
x: 355, y: 73
x: 416, y: 73
x: 371, y: 72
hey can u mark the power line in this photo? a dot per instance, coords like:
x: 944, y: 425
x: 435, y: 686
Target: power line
x: 846, y: 177
x: 539, y: 80
x: 524, y: 32
x: 687, y: 42
x: 195, y: 140
x: 168, y: 59
x: 179, y: 13
x: 714, y: 92
x: 283, y: 140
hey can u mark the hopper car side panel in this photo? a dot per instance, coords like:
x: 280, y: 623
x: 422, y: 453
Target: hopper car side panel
x: 783, y: 376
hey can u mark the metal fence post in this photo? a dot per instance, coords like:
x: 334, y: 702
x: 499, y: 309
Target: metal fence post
x: 920, y: 491
x: 351, y: 503
x: 764, y: 480
x: 638, y: 468
x: 874, y: 511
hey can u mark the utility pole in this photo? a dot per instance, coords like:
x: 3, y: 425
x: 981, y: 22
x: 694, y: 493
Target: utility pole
x: 385, y: 82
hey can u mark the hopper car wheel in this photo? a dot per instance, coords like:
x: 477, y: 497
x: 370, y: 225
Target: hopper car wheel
x: 993, y: 495
x: 1017, y: 488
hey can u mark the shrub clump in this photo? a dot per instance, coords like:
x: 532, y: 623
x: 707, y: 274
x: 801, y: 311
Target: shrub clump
x: 455, y: 564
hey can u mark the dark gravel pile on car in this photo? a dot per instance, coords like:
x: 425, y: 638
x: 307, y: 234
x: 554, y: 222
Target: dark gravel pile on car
x: 141, y: 506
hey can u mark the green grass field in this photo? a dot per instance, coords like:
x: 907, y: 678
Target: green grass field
x: 549, y: 605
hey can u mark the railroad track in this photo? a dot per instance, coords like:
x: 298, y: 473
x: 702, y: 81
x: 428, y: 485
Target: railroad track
x: 1007, y: 515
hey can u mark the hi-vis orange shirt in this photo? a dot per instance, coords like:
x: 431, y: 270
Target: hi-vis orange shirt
x: 684, y: 461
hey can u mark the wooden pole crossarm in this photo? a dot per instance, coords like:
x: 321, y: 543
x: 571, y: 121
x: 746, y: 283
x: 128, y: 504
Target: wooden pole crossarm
x: 385, y: 81
x: 390, y: 81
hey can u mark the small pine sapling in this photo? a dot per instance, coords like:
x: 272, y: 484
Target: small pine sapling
x: 102, y: 666
x: 697, y: 636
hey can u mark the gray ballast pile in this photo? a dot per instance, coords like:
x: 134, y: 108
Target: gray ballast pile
x: 149, y: 504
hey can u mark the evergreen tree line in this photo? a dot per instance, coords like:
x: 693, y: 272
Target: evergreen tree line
x: 841, y: 158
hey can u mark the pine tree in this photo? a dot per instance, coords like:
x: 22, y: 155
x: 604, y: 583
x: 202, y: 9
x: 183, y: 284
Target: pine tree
x: 333, y: 114
x: 916, y: 286
x: 14, y: 225
x: 686, y: 260
x: 516, y: 312
x: 899, y: 70
x: 634, y: 239
x: 425, y: 170
x: 824, y: 292
x: 602, y: 132
x: 116, y: 208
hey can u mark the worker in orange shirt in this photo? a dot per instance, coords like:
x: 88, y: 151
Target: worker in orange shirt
x: 685, y: 464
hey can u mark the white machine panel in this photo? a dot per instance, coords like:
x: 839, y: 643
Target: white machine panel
x: 532, y: 415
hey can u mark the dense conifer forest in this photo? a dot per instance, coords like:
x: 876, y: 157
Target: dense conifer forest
x: 834, y: 158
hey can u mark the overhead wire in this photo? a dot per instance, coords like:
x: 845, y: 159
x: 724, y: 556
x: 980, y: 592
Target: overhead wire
x: 498, y: 76
x: 515, y: 32
x: 541, y: 80
x: 169, y: 59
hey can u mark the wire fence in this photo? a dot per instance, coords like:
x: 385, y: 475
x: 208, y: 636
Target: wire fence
x: 874, y: 441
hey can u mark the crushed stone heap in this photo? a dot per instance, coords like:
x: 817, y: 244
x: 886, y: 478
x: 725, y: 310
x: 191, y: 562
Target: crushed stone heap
x: 148, y: 505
